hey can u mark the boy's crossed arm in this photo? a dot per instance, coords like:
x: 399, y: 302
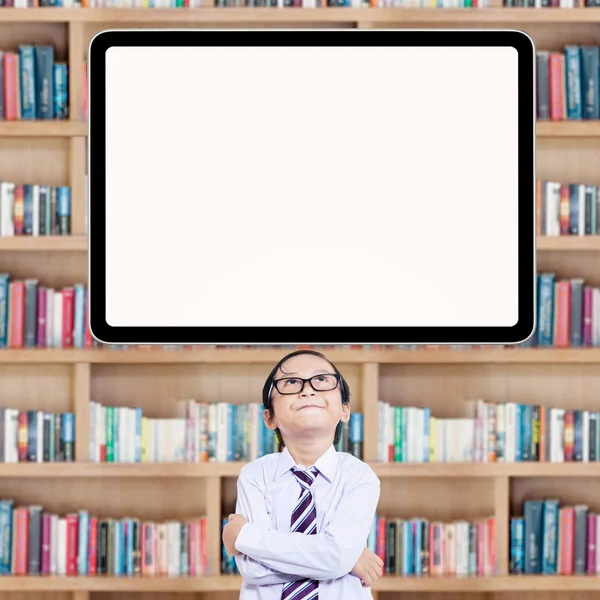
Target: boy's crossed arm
x: 269, y: 556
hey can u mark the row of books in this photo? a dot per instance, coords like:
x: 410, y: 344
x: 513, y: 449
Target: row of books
x: 36, y: 436
x: 37, y: 316
x: 199, y: 432
x: 568, y: 313
x: 100, y: 3
x: 548, y: 3
x: 568, y: 83
x: 411, y: 434
x: 551, y: 539
x: 34, y: 85
x: 420, y: 547
x: 505, y: 432
x: 352, y: 3
x: 34, y: 209
x: 513, y: 432
x: 566, y: 208
x: 36, y: 541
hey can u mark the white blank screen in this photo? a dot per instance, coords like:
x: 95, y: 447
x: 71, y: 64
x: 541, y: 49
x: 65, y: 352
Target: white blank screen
x: 311, y: 186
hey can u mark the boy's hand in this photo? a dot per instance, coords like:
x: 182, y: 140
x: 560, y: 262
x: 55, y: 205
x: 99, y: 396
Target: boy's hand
x: 231, y: 531
x: 369, y: 567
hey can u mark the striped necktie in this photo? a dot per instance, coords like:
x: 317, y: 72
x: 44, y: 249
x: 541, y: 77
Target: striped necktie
x: 304, y: 520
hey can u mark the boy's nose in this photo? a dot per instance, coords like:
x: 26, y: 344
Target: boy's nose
x: 308, y: 391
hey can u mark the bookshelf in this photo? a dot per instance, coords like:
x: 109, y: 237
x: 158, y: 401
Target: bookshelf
x: 54, y: 153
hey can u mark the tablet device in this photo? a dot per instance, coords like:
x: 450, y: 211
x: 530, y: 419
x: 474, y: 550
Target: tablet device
x: 311, y: 186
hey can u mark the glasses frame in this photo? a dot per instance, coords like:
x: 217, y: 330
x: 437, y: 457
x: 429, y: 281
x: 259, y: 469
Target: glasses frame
x: 304, y: 382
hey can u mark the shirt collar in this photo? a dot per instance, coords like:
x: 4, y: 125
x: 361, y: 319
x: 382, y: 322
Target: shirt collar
x: 326, y: 463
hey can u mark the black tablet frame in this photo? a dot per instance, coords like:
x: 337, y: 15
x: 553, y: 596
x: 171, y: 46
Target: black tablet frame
x: 106, y: 333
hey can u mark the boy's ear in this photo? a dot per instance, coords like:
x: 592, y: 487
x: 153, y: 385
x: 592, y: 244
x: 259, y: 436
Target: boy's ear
x: 269, y: 420
x: 346, y: 412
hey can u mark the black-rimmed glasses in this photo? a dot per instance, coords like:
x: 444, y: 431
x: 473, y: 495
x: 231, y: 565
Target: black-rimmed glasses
x: 323, y: 382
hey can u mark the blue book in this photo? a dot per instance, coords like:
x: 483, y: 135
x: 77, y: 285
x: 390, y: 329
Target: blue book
x: 546, y: 283
x: 534, y: 512
x: 6, y: 535
x: 61, y: 96
x: 517, y: 534
x: 44, y: 81
x: 4, y: 285
x: 590, y: 62
x: 550, y: 537
x: 27, y: 82
x: 82, y: 554
x: 573, y: 82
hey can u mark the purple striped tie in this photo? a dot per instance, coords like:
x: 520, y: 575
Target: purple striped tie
x: 304, y: 520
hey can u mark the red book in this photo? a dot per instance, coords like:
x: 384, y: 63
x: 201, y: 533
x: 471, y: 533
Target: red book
x: 22, y: 545
x: 567, y: 539
x: 491, y: 539
x: 381, y: 537
x: 17, y: 324
x: 93, y: 546
x: 563, y: 329
x: 10, y: 86
x: 203, y: 556
x: 556, y: 77
x: 89, y: 341
x: 68, y: 311
x: 72, y: 537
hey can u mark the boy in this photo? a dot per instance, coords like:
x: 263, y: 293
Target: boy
x: 303, y: 515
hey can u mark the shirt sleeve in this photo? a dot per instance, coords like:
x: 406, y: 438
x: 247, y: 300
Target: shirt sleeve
x: 251, y: 504
x: 329, y: 554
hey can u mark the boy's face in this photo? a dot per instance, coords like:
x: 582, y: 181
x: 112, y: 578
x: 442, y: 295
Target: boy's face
x: 309, y: 411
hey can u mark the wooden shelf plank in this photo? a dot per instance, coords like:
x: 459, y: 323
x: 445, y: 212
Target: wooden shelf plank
x: 565, y: 243
x: 150, y: 355
x: 79, y: 243
x: 43, y: 243
x: 291, y: 15
x: 233, y: 583
x: 21, y: 128
x: 84, y: 470
x: 101, y: 583
x: 48, y: 128
x: 562, y: 129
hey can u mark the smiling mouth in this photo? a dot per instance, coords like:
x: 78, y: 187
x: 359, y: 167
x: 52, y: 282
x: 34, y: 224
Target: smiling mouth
x: 311, y: 406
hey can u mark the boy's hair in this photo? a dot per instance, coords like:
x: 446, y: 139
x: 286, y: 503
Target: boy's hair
x: 268, y: 387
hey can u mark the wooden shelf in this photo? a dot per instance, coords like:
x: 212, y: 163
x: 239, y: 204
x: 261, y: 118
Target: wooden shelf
x: 42, y: 128
x: 562, y: 129
x: 124, y: 583
x: 544, y: 129
x: 391, y: 583
x: 270, y: 356
x: 83, y: 470
x: 79, y: 243
x: 27, y: 243
x: 295, y: 15
x: 565, y: 243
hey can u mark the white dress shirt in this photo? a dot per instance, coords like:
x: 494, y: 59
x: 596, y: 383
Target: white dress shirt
x: 346, y: 493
